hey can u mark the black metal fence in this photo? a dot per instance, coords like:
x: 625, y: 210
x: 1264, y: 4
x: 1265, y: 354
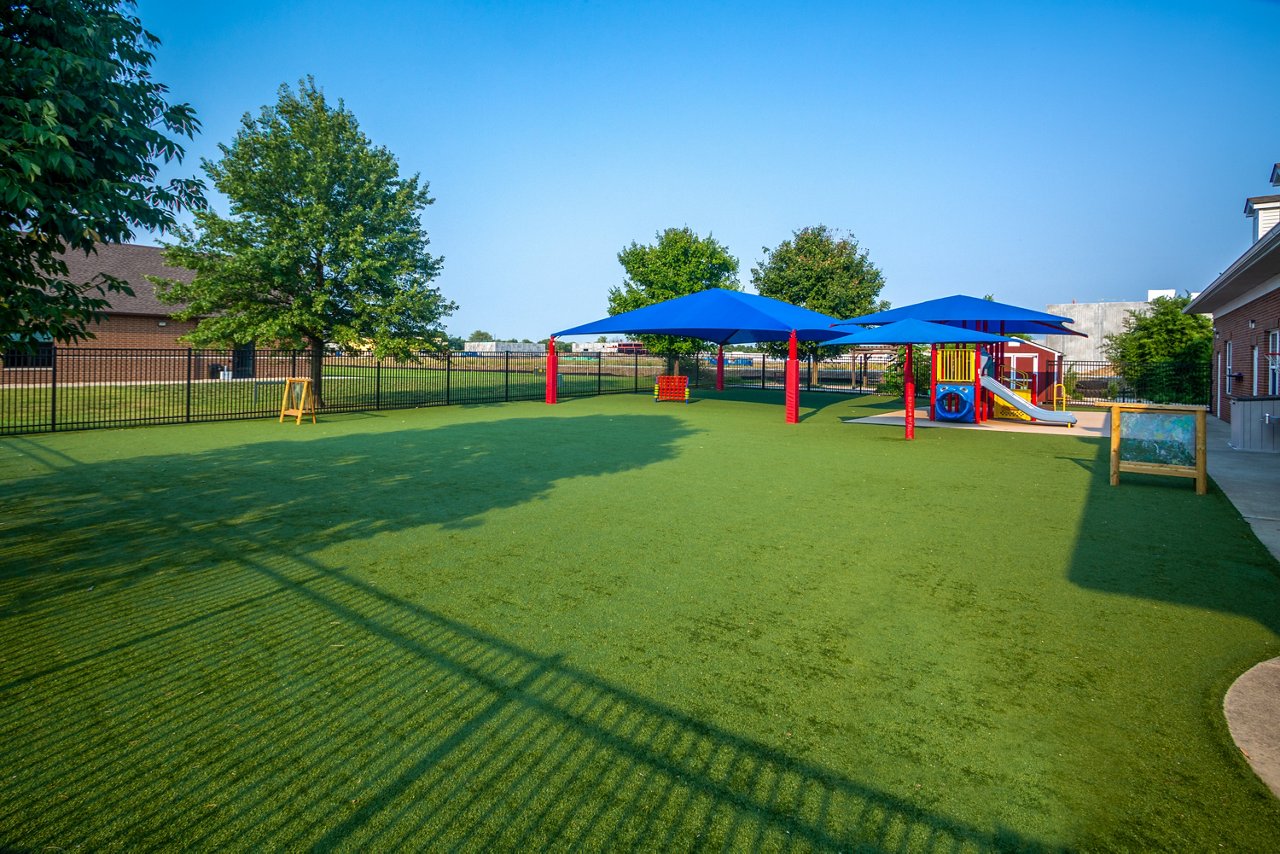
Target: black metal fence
x: 78, y: 388
x: 1137, y: 382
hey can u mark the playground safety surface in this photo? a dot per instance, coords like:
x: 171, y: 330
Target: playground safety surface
x: 1088, y: 424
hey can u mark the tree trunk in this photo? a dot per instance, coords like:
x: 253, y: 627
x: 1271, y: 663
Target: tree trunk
x: 317, y: 370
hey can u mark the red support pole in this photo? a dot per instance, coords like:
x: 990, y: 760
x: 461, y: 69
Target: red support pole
x: 793, y: 381
x: 553, y: 382
x: 977, y: 383
x: 720, y: 368
x: 909, y: 395
x: 933, y: 382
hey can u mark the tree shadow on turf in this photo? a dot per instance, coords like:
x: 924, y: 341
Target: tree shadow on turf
x: 192, y: 674
x: 120, y: 520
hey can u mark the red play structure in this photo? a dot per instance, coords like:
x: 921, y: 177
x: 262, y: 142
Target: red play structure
x: 972, y: 383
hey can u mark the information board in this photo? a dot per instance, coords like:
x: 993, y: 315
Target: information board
x: 1155, y: 439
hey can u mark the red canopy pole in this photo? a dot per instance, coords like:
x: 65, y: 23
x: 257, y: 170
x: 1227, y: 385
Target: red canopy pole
x: 909, y: 395
x: 793, y: 381
x: 720, y: 368
x: 933, y: 382
x: 977, y: 383
x: 552, y: 368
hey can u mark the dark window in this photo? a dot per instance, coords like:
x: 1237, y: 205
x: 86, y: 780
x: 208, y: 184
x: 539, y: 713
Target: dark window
x: 40, y: 356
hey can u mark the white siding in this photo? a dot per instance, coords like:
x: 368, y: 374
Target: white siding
x: 1264, y: 220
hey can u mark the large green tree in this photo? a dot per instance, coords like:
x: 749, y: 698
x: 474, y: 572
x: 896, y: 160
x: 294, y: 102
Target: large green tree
x: 83, y: 131
x: 324, y: 242
x: 678, y: 264
x: 822, y: 270
x: 1164, y: 355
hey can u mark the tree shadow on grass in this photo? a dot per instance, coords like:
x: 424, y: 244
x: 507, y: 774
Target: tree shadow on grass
x: 181, y: 669
x: 89, y: 525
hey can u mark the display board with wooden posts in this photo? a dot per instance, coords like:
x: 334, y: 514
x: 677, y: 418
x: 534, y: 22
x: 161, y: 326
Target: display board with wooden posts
x: 298, y: 400
x: 1159, y: 439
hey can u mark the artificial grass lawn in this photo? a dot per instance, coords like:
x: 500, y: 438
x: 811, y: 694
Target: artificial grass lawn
x: 618, y: 624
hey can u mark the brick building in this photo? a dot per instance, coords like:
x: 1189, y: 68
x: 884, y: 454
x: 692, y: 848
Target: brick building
x: 140, y: 320
x: 1245, y: 304
x: 133, y: 323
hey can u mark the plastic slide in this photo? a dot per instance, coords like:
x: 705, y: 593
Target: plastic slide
x: 1046, y: 415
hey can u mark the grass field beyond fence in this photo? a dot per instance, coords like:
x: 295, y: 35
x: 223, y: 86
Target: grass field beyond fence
x: 79, y: 388
x: 616, y: 624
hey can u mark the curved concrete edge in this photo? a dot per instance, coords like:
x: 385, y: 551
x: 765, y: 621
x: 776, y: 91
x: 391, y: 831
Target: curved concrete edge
x: 1252, y: 709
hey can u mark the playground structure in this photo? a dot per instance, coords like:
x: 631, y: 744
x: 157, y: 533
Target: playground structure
x: 963, y: 388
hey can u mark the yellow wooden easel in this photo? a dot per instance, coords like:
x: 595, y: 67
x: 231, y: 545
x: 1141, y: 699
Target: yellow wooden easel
x: 298, y: 399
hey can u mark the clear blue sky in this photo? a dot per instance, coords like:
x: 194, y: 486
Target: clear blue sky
x: 1043, y: 152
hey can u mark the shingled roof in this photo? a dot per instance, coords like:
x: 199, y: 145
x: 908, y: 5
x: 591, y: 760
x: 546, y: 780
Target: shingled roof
x: 132, y: 264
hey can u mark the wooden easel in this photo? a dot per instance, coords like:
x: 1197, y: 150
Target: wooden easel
x: 298, y: 399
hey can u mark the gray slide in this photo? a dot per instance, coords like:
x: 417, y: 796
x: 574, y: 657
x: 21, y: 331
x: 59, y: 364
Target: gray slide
x: 1046, y: 415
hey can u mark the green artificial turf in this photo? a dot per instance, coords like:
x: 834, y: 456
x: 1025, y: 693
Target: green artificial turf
x: 618, y: 624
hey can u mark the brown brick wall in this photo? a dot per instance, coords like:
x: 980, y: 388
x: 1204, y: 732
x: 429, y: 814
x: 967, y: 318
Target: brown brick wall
x: 128, y: 330
x: 1234, y: 327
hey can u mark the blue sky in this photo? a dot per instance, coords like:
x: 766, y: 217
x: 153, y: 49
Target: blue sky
x: 1043, y: 152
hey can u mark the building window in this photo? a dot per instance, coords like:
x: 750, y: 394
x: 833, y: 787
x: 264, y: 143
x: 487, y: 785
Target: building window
x: 1253, y: 354
x: 1273, y: 362
x: 1228, y: 373
x: 40, y: 355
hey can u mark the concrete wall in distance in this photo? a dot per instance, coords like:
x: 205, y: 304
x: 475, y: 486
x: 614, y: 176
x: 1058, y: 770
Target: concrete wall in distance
x: 1095, y: 319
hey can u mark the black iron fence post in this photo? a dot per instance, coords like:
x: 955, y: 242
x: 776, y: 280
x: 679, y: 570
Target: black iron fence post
x: 377, y: 385
x: 764, y: 365
x: 506, y: 376
x: 293, y: 363
x: 599, y: 367
x: 635, y: 370
x: 190, y: 366
x: 448, y: 376
x: 53, y: 387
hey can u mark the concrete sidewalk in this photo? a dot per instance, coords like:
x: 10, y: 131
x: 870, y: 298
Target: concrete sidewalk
x: 1251, y: 481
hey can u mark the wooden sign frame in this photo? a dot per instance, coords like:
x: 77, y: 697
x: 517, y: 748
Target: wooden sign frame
x: 1197, y: 470
x: 306, y: 404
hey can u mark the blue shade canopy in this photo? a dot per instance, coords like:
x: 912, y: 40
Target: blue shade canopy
x: 720, y: 316
x: 969, y: 312
x: 917, y: 332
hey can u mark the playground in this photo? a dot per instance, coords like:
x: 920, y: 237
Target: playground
x: 611, y: 623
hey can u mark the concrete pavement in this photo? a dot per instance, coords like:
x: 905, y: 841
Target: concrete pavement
x: 1251, y: 480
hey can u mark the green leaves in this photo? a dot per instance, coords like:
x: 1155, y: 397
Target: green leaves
x: 680, y: 263
x: 1163, y: 334
x: 323, y: 242
x: 81, y: 122
x: 821, y: 270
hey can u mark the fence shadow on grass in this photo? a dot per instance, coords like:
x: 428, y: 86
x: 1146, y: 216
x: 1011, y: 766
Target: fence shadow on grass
x: 190, y: 673
x: 309, y: 709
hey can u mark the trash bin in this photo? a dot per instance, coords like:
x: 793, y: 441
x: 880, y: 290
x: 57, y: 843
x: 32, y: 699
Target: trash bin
x: 215, y: 371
